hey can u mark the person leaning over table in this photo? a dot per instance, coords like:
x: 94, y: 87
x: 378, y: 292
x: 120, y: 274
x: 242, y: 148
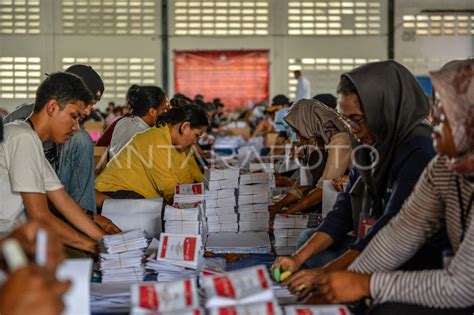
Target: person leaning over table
x: 156, y: 160
x: 317, y: 125
x: 442, y: 197
x: 385, y: 109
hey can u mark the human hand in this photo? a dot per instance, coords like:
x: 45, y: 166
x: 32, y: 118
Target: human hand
x: 26, y: 235
x: 304, y: 282
x: 32, y: 290
x: 344, y: 286
x: 338, y: 183
x: 286, y: 263
x: 106, y: 224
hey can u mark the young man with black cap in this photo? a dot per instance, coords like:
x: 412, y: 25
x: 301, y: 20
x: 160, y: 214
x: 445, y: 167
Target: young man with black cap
x: 73, y: 160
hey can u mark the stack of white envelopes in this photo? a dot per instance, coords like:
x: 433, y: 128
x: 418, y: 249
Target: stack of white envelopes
x: 184, y: 218
x: 253, y: 201
x: 286, y: 230
x: 221, y: 183
x: 121, y: 255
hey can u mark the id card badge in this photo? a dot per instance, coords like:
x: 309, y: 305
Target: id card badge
x: 365, y: 224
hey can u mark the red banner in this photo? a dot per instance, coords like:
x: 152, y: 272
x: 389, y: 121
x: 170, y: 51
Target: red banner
x: 236, y: 77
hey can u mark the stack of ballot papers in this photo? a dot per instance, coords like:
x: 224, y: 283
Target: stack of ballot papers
x: 267, y: 168
x: 239, y: 243
x: 176, y: 253
x: 120, y: 258
x: 174, y: 298
x: 169, y: 272
x: 110, y: 297
x: 240, y: 287
x: 316, y: 310
x: 184, y: 218
x: 189, y: 193
x: 261, y: 308
x: 253, y: 196
x: 286, y: 230
x: 221, y: 184
x: 284, y: 296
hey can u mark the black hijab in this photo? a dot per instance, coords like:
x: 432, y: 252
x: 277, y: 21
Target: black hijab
x: 395, y: 109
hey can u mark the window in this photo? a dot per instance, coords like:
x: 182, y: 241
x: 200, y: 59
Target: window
x: 119, y: 74
x: 19, y: 17
x: 117, y: 17
x: 439, y: 24
x: 334, y: 17
x: 217, y: 17
x: 19, y: 77
x: 422, y: 66
x: 323, y: 73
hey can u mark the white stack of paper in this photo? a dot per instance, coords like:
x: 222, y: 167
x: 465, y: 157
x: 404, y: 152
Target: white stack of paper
x: 286, y: 231
x: 110, y: 297
x: 316, y: 310
x: 183, y: 218
x: 253, y: 201
x: 189, y: 193
x: 239, y: 243
x: 120, y: 258
x: 244, y: 286
x: 169, y: 272
x: 181, y: 250
x: 284, y: 296
x: 221, y: 183
x: 260, y: 308
x: 176, y: 297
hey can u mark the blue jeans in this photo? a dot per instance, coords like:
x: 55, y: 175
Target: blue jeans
x: 76, y: 169
x: 333, y: 252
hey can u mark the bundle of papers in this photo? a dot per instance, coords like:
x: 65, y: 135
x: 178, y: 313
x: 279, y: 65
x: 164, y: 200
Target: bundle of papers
x: 220, y: 211
x: 110, y: 297
x: 284, y: 296
x: 266, y: 308
x: 120, y: 258
x: 220, y: 173
x: 188, y: 193
x: 252, y: 199
x: 183, y: 219
x: 256, y: 207
x: 244, y: 286
x: 255, y: 226
x: 178, y: 297
x: 231, y: 183
x: 223, y: 227
x: 168, y: 272
x: 222, y: 202
x: 253, y: 189
x: 316, y: 310
x: 253, y: 178
x: 286, y: 231
x: 180, y: 250
x: 122, y: 242
x: 239, y: 243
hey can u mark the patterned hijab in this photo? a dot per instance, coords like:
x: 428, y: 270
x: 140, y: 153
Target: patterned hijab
x: 454, y: 83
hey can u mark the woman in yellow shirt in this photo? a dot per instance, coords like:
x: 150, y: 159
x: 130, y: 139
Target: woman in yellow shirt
x: 158, y: 159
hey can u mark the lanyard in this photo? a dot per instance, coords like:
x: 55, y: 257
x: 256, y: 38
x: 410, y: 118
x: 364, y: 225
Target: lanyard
x: 464, y: 212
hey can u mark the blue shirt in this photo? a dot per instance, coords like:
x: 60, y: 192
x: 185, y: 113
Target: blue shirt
x: 412, y: 157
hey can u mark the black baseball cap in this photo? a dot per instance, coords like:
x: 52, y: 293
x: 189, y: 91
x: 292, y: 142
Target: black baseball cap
x: 92, y: 79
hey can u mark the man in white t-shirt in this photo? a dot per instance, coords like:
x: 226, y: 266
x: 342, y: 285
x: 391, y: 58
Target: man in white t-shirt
x: 303, y: 87
x: 27, y: 180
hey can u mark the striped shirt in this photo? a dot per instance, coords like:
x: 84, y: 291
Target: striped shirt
x: 433, y: 204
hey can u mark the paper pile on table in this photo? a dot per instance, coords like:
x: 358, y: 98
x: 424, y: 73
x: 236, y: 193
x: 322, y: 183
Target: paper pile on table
x: 253, y: 201
x: 241, y: 287
x: 239, y: 243
x: 221, y: 183
x: 316, y: 310
x: 286, y: 231
x: 120, y: 258
x: 184, y: 218
x: 173, y: 298
x: 110, y: 297
x: 189, y: 193
x: 178, y: 255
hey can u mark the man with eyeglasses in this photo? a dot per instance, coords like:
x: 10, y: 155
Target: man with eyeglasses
x: 385, y: 110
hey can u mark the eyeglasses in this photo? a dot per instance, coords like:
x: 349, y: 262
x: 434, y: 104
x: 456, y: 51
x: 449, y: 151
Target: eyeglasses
x: 354, y: 123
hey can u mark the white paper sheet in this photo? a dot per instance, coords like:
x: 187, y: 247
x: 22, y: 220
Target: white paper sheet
x: 130, y: 214
x: 78, y: 271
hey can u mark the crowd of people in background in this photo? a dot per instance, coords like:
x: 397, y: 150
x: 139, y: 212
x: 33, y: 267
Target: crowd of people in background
x: 400, y: 232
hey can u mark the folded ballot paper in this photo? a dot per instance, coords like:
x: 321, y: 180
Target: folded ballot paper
x: 220, y: 173
x: 219, y: 203
x: 259, y: 177
x: 180, y: 250
x: 316, y: 310
x: 252, y: 199
x: 239, y: 243
x: 265, y: 308
x: 244, y: 286
x: 230, y: 183
x: 129, y: 214
x: 257, y: 207
x: 253, y: 226
x: 290, y: 221
x: 185, y: 214
x: 219, y: 194
x: 178, y: 297
x: 123, y: 242
x: 222, y: 227
x: 189, y: 193
x: 257, y: 189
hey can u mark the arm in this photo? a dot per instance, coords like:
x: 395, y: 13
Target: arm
x: 37, y: 208
x: 314, y: 198
x: 74, y: 214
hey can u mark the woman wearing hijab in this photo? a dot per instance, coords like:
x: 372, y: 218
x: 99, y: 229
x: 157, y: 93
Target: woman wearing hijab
x: 443, y: 197
x: 317, y: 126
x: 385, y: 109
